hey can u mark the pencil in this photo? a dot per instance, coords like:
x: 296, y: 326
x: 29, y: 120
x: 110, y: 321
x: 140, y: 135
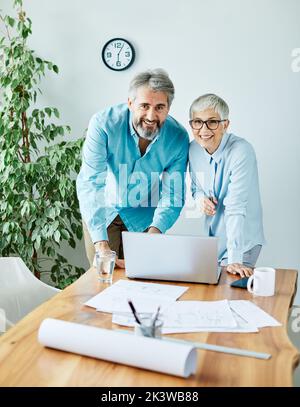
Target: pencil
x: 134, y: 312
x: 155, y: 317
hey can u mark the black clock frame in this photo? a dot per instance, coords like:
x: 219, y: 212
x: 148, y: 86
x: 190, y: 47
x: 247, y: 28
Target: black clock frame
x: 132, y: 50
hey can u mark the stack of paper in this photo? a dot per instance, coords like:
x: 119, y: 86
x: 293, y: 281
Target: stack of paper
x: 253, y: 314
x: 145, y: 296
x: 179, y: 316
x: 208, y: 316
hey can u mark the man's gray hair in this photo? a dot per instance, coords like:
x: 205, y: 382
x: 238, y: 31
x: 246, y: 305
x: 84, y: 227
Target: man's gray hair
x: 209, y: 100
x: 157, y: 80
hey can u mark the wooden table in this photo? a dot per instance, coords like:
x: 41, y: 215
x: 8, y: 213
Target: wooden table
x: 24, y: 362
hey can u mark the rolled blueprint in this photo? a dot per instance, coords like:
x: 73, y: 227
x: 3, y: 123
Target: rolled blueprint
x: 147, y: 353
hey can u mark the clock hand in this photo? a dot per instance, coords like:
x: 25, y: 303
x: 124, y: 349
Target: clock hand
x: 120, y: 50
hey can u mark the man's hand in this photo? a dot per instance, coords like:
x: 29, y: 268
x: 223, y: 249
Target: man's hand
x: 103, y: 246
x: 208, y: 206
x: 237, y: 268
x: 153, y: 229
x: 120, y: 263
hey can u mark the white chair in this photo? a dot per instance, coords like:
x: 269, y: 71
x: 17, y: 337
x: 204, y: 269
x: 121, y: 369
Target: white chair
x: 20, y: 291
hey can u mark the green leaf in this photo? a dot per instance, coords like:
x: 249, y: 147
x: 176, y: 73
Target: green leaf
x: 50, y: 252
x: 5, y: 227
x: 55, y: 269
x: 60, y: 130
x: 25, y: 208
x: 48, y: 111
x: 37, y: 242
x: 18, y: 3
x: 57, y: 236
x: 35, y: 234
x: 65, y: 234
x: 25, y: 32
x: 56, y: 112
x: 55, y: 68
x: 53, y: 277
x: 10, y: 21
x: 54, y: 226
x: 79, y: 232
x: 61, y: 258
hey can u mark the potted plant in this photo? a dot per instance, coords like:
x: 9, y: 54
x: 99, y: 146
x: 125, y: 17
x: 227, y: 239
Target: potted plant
x: 38, y: 202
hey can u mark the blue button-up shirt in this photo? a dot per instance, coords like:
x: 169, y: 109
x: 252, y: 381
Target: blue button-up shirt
x: 116, y: 179
x: 230, y: 174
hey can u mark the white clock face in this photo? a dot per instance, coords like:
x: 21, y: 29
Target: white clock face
x: 118, y: 54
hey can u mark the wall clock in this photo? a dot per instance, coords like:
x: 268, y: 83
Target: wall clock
x: 118, y: 54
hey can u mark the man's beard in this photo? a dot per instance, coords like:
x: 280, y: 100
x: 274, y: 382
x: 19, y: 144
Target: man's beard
x: 146, y: 134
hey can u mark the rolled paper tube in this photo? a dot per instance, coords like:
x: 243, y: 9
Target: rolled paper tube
x: 172, y: 358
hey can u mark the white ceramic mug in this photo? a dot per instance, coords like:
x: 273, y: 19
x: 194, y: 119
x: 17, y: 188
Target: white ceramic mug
x: 263, y: 280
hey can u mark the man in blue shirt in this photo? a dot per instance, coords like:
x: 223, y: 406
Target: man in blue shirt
x: 133, y: 166
x: 225, y: 179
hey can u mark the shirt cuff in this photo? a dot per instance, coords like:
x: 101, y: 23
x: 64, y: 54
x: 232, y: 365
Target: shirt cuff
x: 235, y: 256
x: 97, y: 235
x: 158, y: 225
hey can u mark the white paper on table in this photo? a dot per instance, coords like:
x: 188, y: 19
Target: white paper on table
x: 200, y: 314
x: 145, y: 296
x: 153, y: 354
x: 253, y: 314
x: 242, y: 326
x: 127, y: 319
x: 136, y: 287
x: 114, y: 303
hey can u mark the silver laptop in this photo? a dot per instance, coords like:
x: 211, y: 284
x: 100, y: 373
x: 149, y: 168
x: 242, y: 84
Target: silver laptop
x: 171, y: 257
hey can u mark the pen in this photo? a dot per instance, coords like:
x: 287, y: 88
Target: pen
x: 134, y: 312
x: 155, y: 317
x: 212, y: 197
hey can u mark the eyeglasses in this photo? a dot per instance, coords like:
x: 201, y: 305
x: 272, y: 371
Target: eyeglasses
x: 211, y: 124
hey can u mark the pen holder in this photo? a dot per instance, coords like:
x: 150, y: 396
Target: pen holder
x: 148, y: 327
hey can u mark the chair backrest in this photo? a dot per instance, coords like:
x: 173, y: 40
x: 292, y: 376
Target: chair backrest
x: 20, y: 290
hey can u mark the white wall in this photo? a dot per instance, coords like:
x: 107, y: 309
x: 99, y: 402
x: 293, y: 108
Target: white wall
x: 239, y: 49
